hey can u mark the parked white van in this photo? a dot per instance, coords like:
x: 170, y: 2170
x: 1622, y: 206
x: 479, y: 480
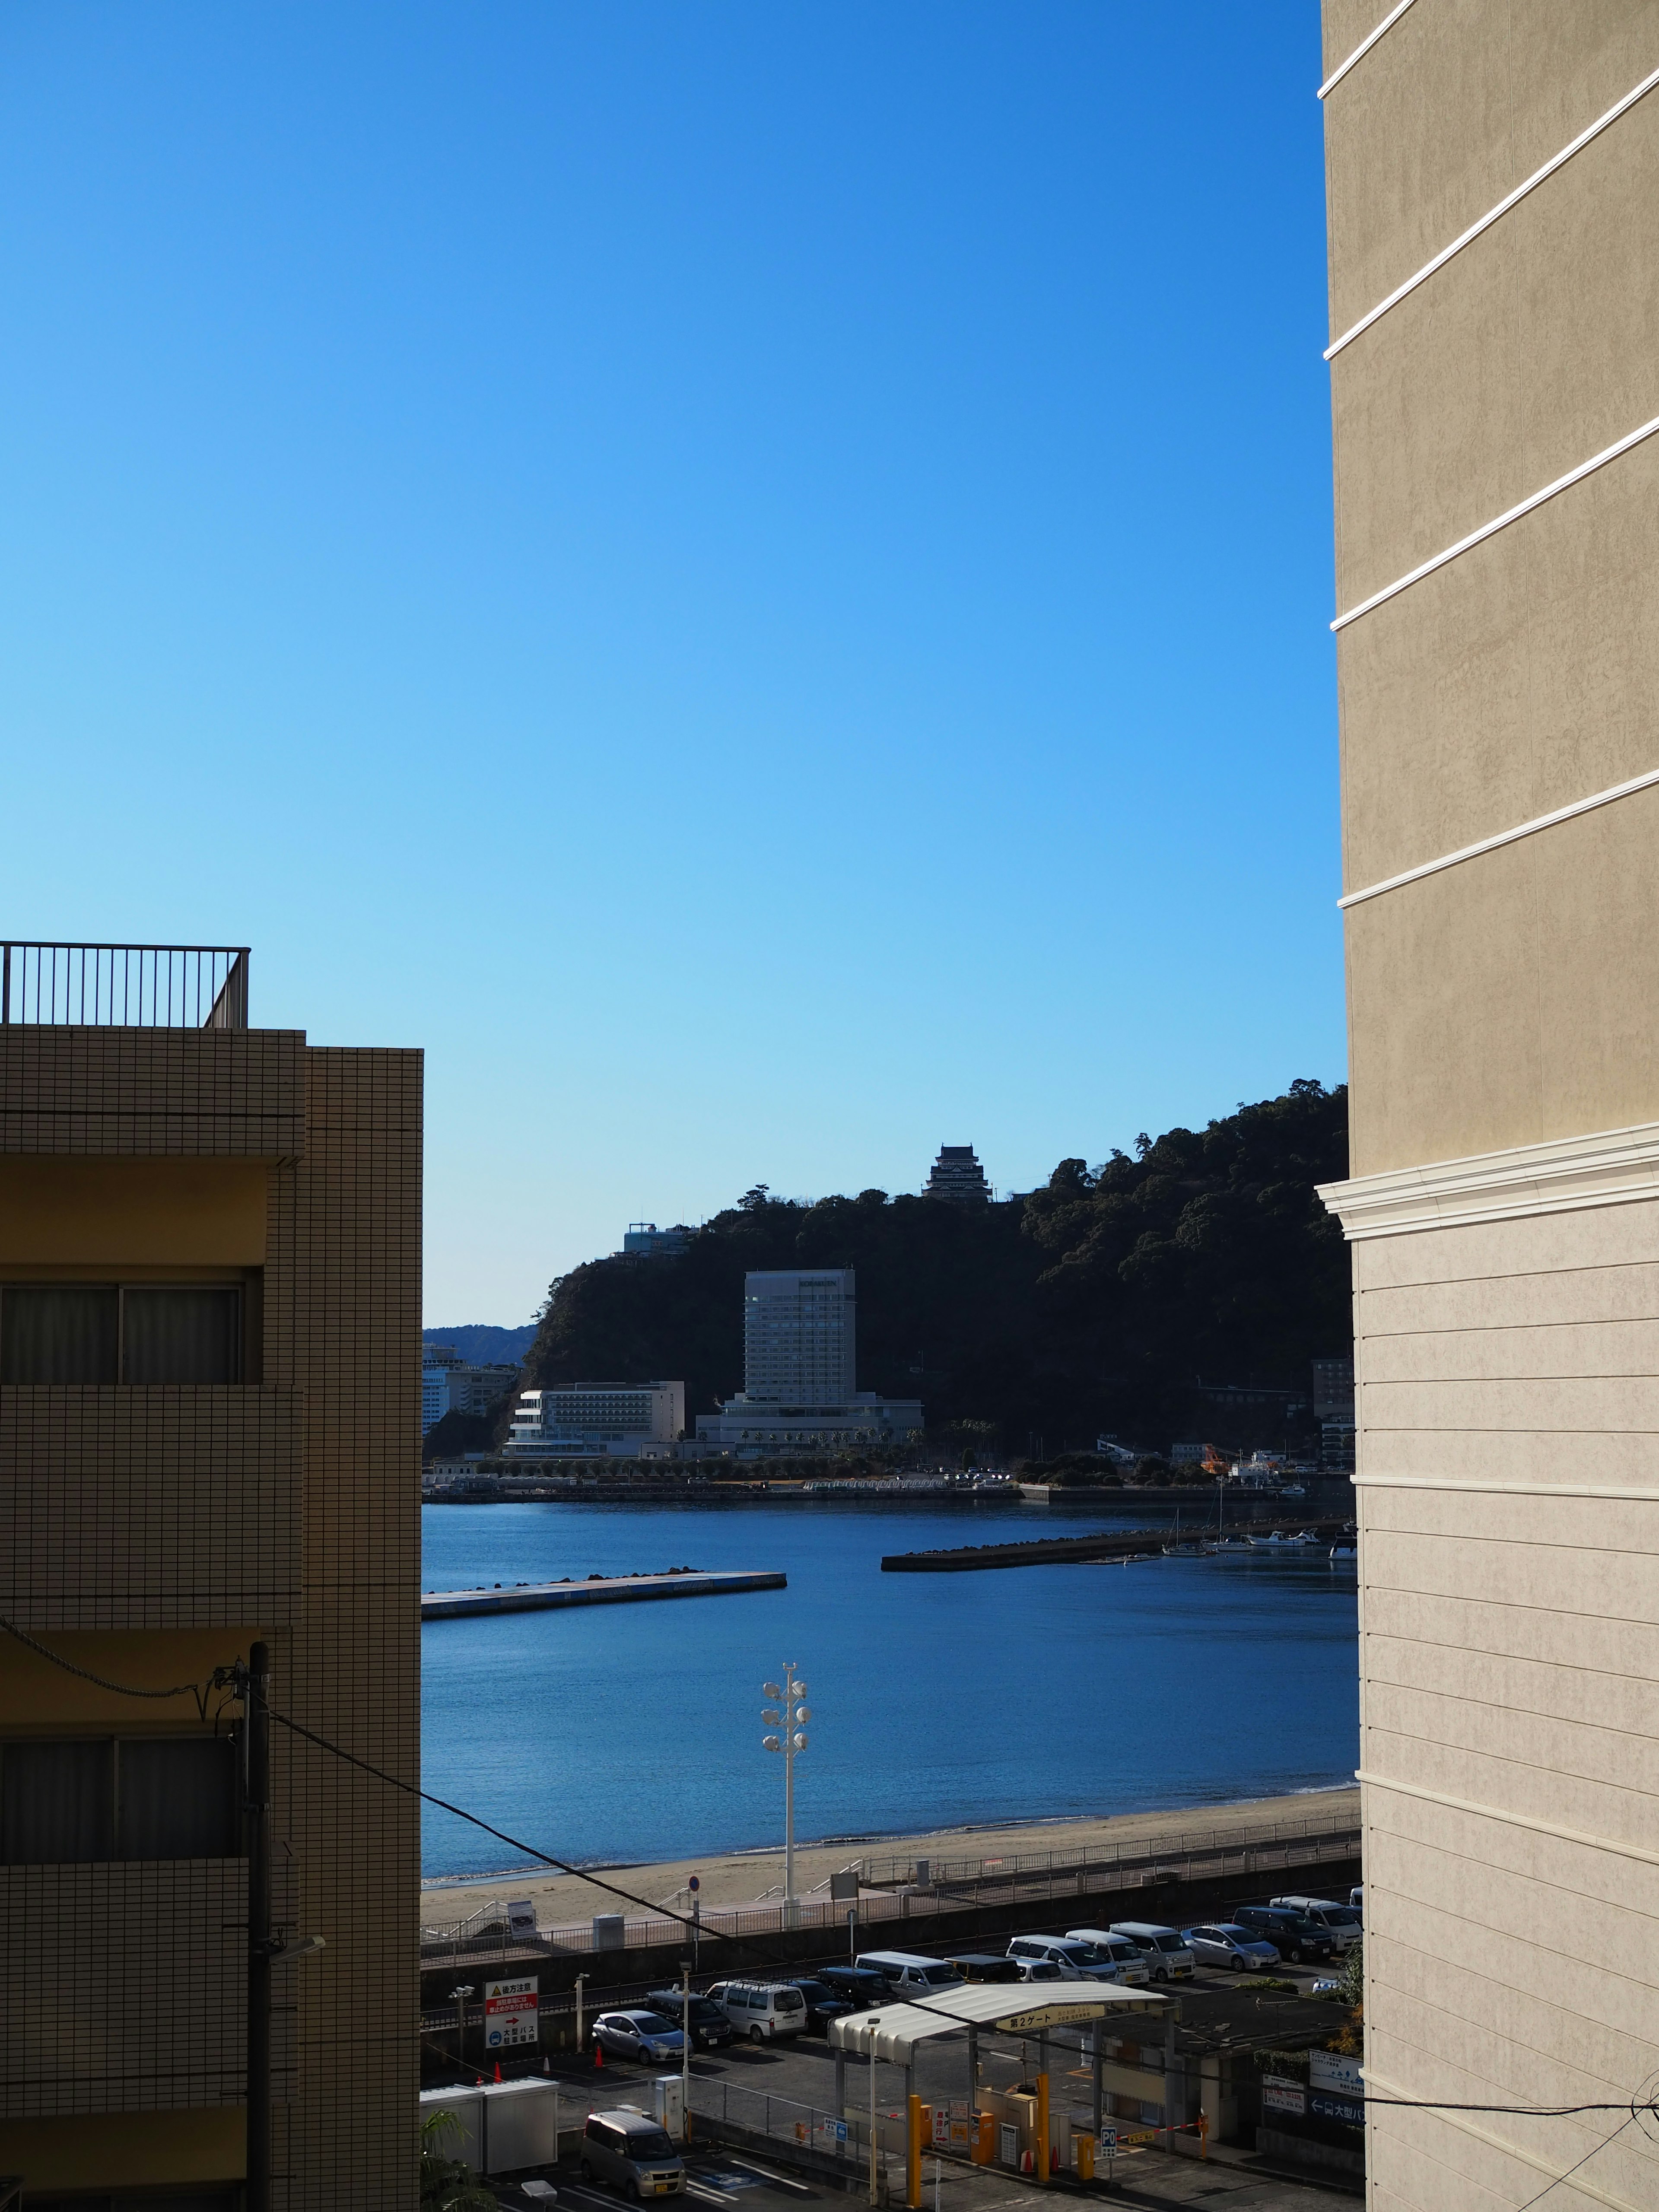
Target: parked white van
x: 762, y: 2010
x: 1076, y: 1961
x: 1339, y: 1921
x: 908, y: 1974
x: 1164, y: 1949
x: 1115, y: 1951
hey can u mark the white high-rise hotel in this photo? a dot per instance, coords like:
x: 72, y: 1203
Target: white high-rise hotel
x: 799, y: 1371
x: 799, y: 1334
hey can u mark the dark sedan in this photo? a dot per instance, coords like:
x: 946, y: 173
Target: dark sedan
x: 1293, y: 1934
x: 859, y: 1986
x: 710, y: 2029
x: 823, y: 2004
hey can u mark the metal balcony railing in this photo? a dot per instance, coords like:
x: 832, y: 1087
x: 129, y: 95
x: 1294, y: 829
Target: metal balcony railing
x: 146, y: 987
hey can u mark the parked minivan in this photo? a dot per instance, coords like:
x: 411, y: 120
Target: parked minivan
x: 762, y: 2010
x: 633, y: 2153
x: 1116, y: 1951
x: 1164, y: 1949
x: 908, y: 1974
x: 1339, y: 1921
x: 1075, y: 1962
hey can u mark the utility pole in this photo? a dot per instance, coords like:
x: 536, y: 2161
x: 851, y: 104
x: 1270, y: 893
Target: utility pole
x: 685, y: 2050
x: 256, y: 1708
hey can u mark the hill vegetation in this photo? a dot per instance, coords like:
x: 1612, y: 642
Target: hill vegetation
x: 1101, y: 1302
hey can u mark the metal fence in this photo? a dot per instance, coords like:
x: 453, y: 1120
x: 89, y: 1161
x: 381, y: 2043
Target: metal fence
x: 730, y: 2104
x: 1190, y: 1855
x: 148, y: 987
x: 891, y: 1873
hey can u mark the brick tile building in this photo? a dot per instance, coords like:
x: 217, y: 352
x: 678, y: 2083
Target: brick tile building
x: 210, y: 1274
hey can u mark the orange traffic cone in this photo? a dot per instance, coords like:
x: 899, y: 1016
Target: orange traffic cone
x: 598, y: 2052
x: 498, y: 2069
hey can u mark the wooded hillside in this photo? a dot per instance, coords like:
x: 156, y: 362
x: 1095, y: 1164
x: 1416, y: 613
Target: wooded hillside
x: 1097, y: 1302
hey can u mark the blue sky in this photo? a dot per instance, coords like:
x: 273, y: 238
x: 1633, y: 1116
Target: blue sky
x: 754, y: 579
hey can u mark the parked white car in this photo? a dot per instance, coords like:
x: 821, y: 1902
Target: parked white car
x: 1126, y: 1960
x: 1339, y: 1921
x: 762, y: 2010
x: 1076, y: 1961
x: 1225, y: 1943
x: 1164, y: 1950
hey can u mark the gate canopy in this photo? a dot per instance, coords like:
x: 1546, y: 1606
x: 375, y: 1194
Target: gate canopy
x: 894, y: 2031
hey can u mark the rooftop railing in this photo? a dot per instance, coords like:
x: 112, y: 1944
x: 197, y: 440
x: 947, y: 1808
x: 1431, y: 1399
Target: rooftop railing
x: 145, y: 987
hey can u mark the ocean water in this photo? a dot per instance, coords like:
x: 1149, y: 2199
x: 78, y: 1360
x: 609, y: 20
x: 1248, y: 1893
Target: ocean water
x: 633, y: 1732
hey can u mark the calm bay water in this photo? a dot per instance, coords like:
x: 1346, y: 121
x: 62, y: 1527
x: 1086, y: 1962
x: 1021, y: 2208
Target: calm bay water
x: 633, y: 1731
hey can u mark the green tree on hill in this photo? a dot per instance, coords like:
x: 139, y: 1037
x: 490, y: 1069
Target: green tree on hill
x: 1098, y: 1302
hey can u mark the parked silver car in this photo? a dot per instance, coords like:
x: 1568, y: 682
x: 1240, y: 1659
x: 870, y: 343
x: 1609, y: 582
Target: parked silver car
x: 1225, y: 1943
x: 638, y: 2034
x: 633, y: 2153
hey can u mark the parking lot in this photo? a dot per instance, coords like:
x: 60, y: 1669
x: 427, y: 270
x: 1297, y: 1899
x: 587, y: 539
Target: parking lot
x: 727, y: 2180
x: 775, y: 2089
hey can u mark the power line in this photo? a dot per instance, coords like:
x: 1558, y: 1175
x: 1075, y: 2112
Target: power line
x: 223, y: 1675
x: 198, y: 1691
x: 1629, y: 2106
x: 531, y: 1850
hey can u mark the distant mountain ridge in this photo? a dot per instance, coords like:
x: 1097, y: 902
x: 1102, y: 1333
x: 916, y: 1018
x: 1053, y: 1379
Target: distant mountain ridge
x: 484, y: 1344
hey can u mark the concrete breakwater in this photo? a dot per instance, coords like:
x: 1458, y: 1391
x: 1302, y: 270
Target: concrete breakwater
x: 1056, y: 1551
x: 598, y: 1589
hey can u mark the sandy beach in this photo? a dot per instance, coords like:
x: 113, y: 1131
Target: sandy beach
x: 745, y: 1877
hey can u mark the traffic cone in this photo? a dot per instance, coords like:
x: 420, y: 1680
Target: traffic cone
x: 498, y: 2069
x: 598, y: 2052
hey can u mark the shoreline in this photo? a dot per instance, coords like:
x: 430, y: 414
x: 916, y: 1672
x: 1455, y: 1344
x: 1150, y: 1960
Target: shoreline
x: 733, y: 1878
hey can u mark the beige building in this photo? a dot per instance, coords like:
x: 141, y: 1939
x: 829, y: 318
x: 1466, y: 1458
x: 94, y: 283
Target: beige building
x: 1493, y: 178
x: 210, y: 1262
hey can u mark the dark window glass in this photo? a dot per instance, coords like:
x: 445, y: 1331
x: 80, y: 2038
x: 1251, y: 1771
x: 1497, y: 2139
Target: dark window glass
x: 175, y: 1799
x: 55, y: 1803
x: 185, y: 1335
x: 64, y: 1334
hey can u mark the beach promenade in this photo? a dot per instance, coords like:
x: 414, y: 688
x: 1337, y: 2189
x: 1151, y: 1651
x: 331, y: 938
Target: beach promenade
x: 731, y: 1880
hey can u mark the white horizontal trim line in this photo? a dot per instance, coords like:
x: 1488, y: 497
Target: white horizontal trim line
x: 1364, y: 47
x: 1502, y: 837
x: 1465, y: 2126
x: 1570, y: 1490
x: 1499, y: 522
x: 1510, y: 1819
x: 1486, y: 221
x: 1612, y: 1167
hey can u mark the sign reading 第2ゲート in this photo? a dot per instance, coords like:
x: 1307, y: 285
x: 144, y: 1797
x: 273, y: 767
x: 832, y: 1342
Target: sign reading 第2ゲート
x: 512, y: 2012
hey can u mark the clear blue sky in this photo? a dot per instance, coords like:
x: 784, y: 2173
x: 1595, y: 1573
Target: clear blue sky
x: 753, y: 578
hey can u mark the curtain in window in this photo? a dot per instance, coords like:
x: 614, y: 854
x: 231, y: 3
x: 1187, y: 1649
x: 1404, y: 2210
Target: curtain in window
x: 55, y: 1803
x: 183, y: 1335
x: 175, y: 1799
x: 63, y: 1333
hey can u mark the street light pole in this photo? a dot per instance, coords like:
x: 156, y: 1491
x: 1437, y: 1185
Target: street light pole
x: 461, y: 1992
x: 786, y: 1713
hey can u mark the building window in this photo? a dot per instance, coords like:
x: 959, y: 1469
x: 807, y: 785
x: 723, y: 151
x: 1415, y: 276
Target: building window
x: 133, y: 1333
x: 84, y: 1798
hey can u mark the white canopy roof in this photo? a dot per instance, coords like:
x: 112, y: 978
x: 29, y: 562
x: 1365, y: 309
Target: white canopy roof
x: 897, y: 2029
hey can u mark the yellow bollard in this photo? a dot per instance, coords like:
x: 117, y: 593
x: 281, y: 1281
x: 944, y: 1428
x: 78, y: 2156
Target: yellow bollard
x: 1042, y: 2128
x: 1203, y: 2135
x: 1085, y: 2147
x: 912, y: 2164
